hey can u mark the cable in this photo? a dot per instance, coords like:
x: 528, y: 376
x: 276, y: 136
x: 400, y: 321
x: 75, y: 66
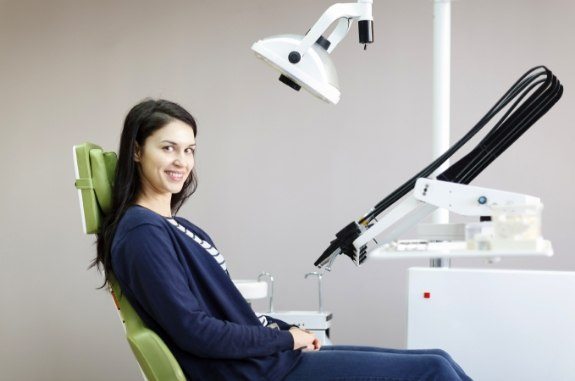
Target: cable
x: 518, y: 87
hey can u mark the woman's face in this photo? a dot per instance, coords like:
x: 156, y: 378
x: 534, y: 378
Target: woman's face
x: 166, y: 159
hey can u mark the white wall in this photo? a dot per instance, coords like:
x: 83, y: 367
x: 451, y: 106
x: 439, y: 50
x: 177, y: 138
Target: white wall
x: 280, y: 172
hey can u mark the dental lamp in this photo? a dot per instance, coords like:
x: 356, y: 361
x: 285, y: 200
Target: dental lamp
x: 304, y: 61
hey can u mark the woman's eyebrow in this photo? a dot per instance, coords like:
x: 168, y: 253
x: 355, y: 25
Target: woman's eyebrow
x: 174, y: 143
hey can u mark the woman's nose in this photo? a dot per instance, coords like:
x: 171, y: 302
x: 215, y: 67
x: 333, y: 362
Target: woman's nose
x: 179, y: 161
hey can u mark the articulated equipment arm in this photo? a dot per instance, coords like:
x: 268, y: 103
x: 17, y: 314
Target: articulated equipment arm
x: 525, y: 102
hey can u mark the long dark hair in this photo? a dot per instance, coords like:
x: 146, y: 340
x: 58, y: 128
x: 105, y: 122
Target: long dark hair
x: 142, y: 120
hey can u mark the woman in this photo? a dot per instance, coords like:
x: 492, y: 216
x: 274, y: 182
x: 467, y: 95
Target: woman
x: 178, y: 283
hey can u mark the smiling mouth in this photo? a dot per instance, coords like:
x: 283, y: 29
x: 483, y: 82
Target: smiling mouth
x: 175, y: 176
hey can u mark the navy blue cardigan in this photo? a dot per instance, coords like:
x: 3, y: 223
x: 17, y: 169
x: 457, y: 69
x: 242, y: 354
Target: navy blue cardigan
x: 181, y: 293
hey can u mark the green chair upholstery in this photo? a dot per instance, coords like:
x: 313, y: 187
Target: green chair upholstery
x: 94, y: 181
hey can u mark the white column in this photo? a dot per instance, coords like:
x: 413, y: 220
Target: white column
x: 441, y: 95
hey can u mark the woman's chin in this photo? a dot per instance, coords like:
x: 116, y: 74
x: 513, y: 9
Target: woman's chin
x: 174, y: 190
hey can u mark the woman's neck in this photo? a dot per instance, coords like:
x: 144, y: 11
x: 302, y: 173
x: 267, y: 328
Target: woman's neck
x: 160, y: 205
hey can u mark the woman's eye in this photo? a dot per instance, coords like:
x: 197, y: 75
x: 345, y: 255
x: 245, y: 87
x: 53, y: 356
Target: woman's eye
x: 168, y: 148
x: 190, y: 150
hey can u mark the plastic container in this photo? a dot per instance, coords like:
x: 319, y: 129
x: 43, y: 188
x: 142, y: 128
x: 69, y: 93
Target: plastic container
x: 517, y: 223
x: 479, y: 235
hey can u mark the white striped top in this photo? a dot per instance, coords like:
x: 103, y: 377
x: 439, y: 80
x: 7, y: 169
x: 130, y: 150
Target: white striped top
x: 206, y: 245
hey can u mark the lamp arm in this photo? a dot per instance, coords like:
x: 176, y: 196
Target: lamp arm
x: 338, y: 34
x: 362, y: 10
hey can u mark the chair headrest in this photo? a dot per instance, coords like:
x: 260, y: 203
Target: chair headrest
x: 95, y: 171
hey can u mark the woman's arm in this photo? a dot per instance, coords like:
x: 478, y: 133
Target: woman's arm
x: 280, y: 323
x: 146, y: 263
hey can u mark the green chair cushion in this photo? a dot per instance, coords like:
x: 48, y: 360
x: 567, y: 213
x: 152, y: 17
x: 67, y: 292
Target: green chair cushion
x: 94, y: 180
x: 95, y: 172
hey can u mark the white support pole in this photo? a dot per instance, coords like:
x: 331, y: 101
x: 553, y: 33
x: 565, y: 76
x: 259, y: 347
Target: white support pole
x: 441, y: 95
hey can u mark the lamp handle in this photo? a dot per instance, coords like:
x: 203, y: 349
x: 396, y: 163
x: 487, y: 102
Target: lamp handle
x: 362, y: 10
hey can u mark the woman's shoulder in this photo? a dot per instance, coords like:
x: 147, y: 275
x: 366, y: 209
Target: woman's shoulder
x: 136, y: 216
x: 138, y: 223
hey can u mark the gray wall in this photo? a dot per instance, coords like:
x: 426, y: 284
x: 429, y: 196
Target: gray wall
x: 280, y: 172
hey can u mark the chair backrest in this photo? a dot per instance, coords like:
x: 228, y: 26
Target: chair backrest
x: 94, y: 181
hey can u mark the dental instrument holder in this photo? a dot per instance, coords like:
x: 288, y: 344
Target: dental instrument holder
x: 270, y: 281
x: 429, y: 195
x: 528, y: 100
x: 464, y: 200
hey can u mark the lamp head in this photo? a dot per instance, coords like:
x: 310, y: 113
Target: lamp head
x: 313, y: 71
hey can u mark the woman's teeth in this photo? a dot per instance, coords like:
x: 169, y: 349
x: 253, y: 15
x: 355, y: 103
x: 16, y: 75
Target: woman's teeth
x: 176, y: 176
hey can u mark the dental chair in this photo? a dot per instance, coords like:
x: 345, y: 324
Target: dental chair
x: 94, y: 180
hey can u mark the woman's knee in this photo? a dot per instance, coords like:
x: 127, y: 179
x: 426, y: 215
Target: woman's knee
x: 441, y: 369
x: 440, y: 352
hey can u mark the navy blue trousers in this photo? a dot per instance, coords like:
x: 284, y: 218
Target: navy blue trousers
x: 342, y: 362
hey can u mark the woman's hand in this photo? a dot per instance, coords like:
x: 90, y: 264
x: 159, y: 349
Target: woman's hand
x: 304, y: 340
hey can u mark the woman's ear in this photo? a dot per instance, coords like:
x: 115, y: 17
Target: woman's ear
x: 137, y: 153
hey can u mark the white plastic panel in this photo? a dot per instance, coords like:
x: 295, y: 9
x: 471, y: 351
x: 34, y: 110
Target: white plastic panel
x: 497, y: 324
x: 251, y: 289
